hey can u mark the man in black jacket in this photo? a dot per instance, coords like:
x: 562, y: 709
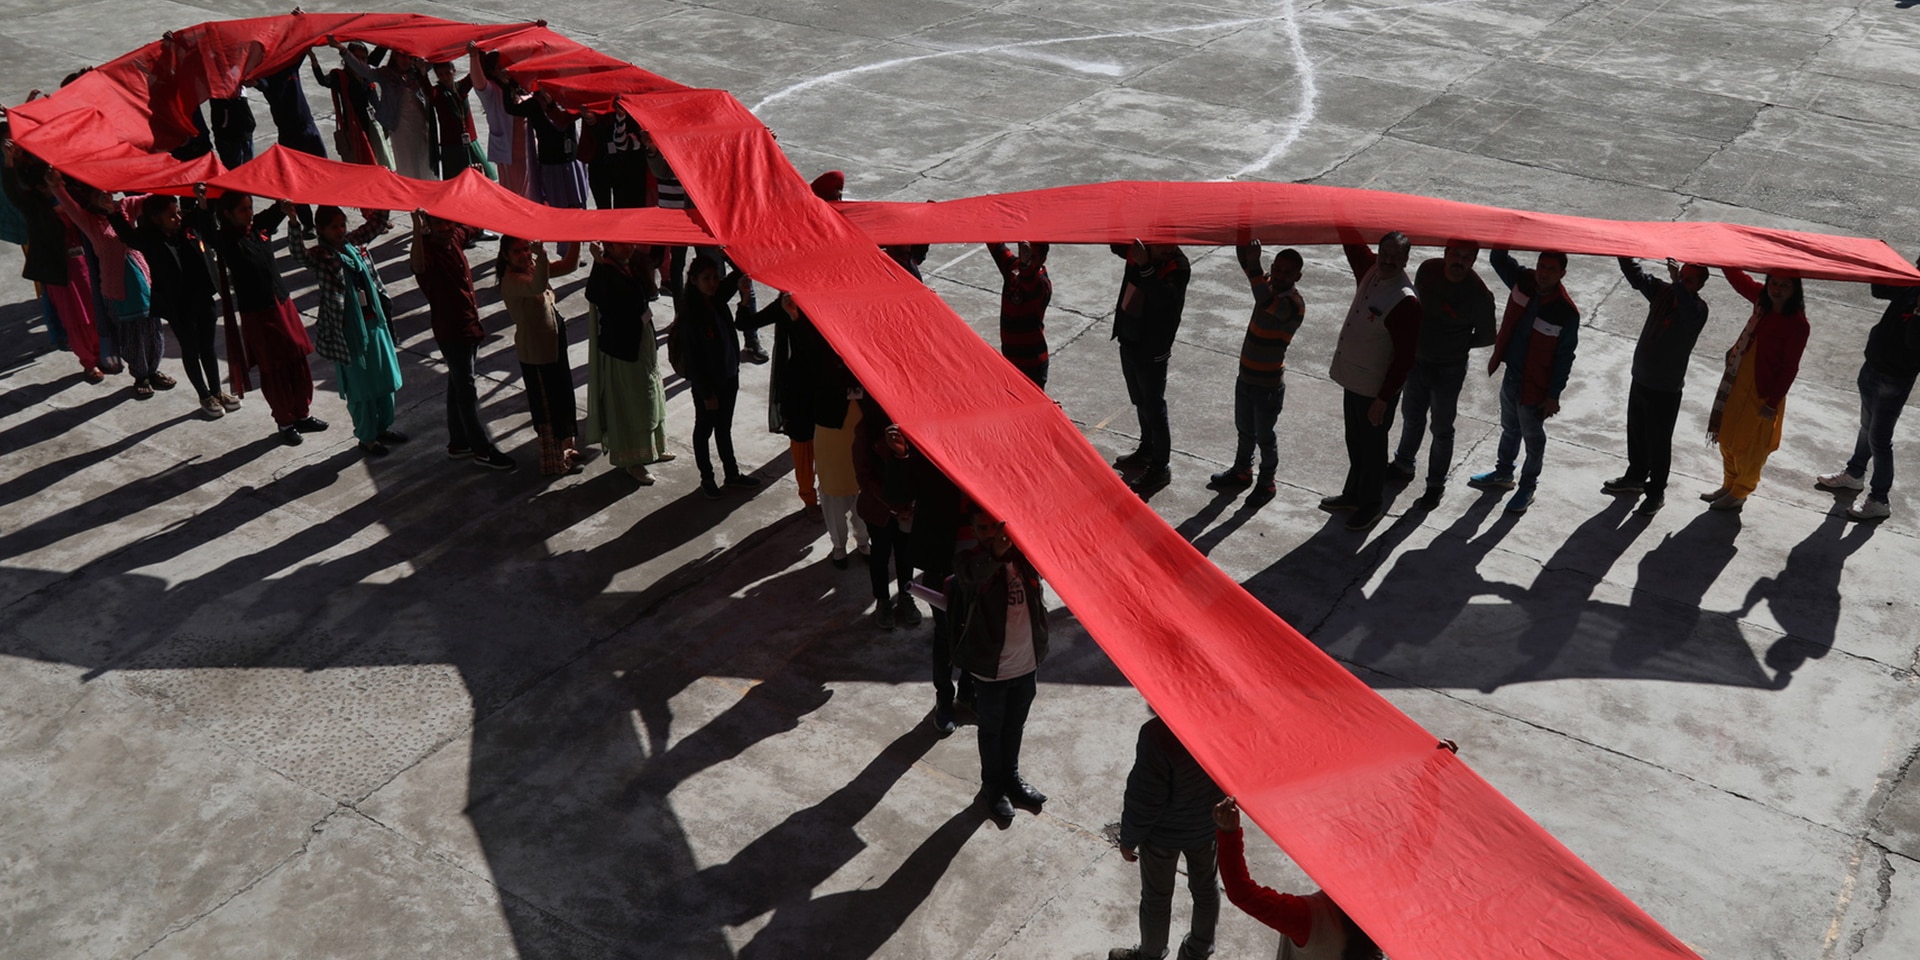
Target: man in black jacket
x: 1675, y: 317
x: 1000, y: 636
x: 1168, y: 815
x: 1886, y: 380
x: 1146, y: 317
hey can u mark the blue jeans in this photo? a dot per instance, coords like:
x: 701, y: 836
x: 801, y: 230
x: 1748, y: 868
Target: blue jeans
x: 1521, y: 421
x: 1881, y: 399
x: 1255, y: 409
x: 1431, y: 387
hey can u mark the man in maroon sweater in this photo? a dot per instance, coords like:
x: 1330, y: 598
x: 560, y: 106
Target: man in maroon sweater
x: 1371, y: 362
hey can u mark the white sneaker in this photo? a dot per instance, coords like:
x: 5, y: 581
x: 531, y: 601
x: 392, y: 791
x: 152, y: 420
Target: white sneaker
x: 1870, y: 509
x: 1840, y: 480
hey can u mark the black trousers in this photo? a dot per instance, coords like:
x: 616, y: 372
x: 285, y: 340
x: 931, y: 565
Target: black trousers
x: 1651, y: 415
x: 889, y: 541
x: 1002, y: 707
x: 1146, y: 376
x: 942, y: 647
x: 716, y: 424
x: 195, y: 336
x: 464, y: 429
x: 1366, y: 452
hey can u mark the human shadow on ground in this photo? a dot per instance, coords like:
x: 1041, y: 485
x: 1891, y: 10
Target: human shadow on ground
x: 577, y: 675
x: 1436, y: 618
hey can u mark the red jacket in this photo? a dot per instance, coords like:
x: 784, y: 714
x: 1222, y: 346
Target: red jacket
x: 1778, y: 341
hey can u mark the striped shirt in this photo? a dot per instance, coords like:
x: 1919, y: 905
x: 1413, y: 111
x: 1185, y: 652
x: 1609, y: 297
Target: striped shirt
x: 1276, y: 318
x: 1023, y: 307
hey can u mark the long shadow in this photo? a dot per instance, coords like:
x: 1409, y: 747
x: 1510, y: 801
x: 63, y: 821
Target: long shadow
x: 1804, y: 597
x: 18, y: 488
x: 571, y: 782
x: 577, y: 670
x: 1425, y: 625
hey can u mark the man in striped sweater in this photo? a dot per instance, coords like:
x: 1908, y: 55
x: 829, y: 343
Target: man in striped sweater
x: 1261, y: 389
x: 1025, y: 291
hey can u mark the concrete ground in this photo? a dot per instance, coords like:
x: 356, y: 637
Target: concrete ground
x: 285, y: 702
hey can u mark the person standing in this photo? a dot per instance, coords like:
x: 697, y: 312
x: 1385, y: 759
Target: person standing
x: 540, y: 343
x: 711, y: 347
x: 1025, y: 291
x: 271, y: 334
x: 1886, y: 380
x: 124, y: 282
x: 455, y: 142
x: 1750, y: 407
x: 999, y: 616
x: 1261, y: 387
x: 1539, y: 333
x: 1675, y: 317
x: 886, y: 464
x: 1146, y: 318
x: 626, y: 404
x: 938, y: 517
x: 293, y: 123
x: 400, y: 107
x: 799, y: 359
x: 438, y: 259
x: 1371, y: 363
x: 353, y: 329
x: 232, y: 125
x: 1456, y: 316
x: 48, y: 259
x: 184, y: 284
x: 1168, y: 815
x: 355, y: 136
x: 837, y: 415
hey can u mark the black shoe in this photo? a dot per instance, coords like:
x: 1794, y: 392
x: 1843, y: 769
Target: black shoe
x: 709, y: 490
x: 883, y: 614
x: 742, y: 481
x: 943, y: 718
x: 493, y: 460
x: 1338, y: 504
x: 374, y: 449
x: 1399, y: 473
x: 290, y: 435
x: 754, y: 356
x: 839, y: 563
x: 309, y: 424
x: 1230, y: 480
x: 1025, y: 795
x: 1651, y: 504
x: 906, y: 611
x: 1154, y: 479
x: 1137, y: 458
x: 1622, y: 485
x: 391, y: 435
x: 1431, y: 499
x: 1365, y: 518
x: 998, y: 805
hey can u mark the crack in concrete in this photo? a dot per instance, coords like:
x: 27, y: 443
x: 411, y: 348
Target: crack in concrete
x: 314, y: 830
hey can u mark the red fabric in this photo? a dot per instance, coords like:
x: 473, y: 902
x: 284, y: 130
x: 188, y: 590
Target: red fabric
x: 1421, y: 852
x: 1294, y: 213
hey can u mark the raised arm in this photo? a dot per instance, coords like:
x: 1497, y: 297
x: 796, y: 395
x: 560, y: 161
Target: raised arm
x: 1360, y: 258
x: 1504, y: 265
x: 1288, y: 914
x: 1640, y: 279
x: 1743, y: 284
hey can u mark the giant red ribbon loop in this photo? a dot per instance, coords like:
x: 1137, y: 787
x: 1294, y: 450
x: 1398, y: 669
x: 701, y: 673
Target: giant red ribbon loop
x: 1423, y: 853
